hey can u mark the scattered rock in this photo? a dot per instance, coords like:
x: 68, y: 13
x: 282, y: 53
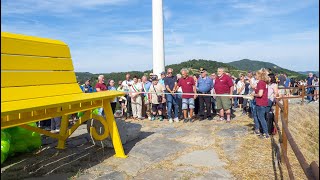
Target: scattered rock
x: 201, y: 158
x: 113, y: 176
x: 235, y: 131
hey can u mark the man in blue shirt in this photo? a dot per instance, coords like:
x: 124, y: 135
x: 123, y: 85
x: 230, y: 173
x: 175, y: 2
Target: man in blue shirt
x: 170, y: 83
x: 146, y: 108
x: 309, y: 89
x: 287, y: 84
x: 204, y: 86
x: 86, y: 87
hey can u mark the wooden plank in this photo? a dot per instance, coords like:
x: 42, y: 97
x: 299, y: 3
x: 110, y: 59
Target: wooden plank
x: 55, y: 101
x: 16, y: 62
x: 33, y: 46
x: 30, y: 92
x: 17, y: 79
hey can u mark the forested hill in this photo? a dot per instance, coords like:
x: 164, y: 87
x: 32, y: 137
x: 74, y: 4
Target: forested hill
x: 252, y: 65
x: 194, y: 65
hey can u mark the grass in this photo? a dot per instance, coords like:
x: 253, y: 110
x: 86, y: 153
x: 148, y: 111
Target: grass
x: 256, y: 157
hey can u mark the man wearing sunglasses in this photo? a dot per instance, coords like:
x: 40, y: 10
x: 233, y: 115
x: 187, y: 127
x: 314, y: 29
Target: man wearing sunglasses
x: 170, y: 83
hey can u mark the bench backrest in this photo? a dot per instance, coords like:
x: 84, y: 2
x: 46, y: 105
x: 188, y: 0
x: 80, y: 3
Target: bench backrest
x: 33, y: 67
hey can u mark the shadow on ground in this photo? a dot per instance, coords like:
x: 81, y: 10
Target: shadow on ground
x: 48, y: 162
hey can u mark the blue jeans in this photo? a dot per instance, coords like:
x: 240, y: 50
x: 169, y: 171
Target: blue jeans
x: 309, y: 90
x: 172, y: 100
x: 269, y: 107
x: 261, y: 113
x: 252, y: 104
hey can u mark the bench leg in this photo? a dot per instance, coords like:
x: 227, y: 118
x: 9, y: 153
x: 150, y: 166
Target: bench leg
x: 113, y: 129
x: 63, y: 132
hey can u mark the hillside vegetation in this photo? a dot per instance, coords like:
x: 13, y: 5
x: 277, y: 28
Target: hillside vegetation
x: 234, y: 68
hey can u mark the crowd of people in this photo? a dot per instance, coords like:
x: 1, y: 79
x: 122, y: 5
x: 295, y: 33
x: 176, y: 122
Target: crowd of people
x: 181, y: 97
x: 186, y: 98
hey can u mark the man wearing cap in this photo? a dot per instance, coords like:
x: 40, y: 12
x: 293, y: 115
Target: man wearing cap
x: 204, y: 86
x: 86, y: 87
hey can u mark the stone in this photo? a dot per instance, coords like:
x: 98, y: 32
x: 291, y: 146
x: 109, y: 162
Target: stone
x: 132, y: 165
x: 235, y: 131
x: 158, y: 149
x: 198, y: 139
x: 113, y: 176
x: 128, y: 132
x: 201, y: 158
x: 191, y: 169
x: 230, y: 148
x: 216, y: 174
x: 159, y: 174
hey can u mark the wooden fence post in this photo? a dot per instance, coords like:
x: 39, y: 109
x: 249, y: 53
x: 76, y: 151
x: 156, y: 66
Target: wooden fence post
x: 285, y: 119
x: 303, y: 93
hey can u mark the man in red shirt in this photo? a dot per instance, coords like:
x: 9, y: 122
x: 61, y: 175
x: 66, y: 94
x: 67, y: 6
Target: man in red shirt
x: 223, y: 85
x: 187, y: 85
x: 101, y: 86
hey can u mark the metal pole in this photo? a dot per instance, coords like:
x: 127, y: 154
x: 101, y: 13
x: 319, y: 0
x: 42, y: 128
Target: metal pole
x: 157, y: 32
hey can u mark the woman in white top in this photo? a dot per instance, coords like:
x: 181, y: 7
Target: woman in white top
x: 136, y: 100
x: 240, y: 90
x: 272, y: 91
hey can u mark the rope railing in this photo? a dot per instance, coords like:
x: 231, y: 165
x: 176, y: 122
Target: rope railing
x: 312, y: 170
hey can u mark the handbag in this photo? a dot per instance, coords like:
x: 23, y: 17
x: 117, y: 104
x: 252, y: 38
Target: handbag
x: 159, y: 97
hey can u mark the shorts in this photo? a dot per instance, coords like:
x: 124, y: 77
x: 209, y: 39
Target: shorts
x: 156, y: 107
x: 187, y: 102
x: 223, y: 103
x: 282, y: 91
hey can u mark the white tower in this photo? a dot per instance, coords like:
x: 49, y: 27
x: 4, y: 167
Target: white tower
x: 157, y: 34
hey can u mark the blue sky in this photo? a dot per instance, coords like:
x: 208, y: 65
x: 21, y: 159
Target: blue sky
x: 115, y: 35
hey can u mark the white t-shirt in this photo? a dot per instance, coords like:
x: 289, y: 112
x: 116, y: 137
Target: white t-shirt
x: 136, y: 88
x: 239, y: 86
x: 125, y: 85
x: 254, y: 82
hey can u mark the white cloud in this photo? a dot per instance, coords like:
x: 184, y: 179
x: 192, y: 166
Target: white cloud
x: 167, y: 13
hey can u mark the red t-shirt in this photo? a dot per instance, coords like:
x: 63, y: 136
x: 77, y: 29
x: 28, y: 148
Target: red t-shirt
x: 222, y: 84
x: 102, y: 86
x: 263, y: 100
x: 186, y: 85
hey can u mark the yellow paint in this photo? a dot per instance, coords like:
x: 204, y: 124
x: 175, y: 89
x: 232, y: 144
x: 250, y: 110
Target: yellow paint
x: 16, y: 78
x: 33, y: 46
x: 14, y: 93
x: 116, y: 140
x: 14, y: 62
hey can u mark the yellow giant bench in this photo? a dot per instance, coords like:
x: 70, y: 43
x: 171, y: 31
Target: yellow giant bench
x: 38, y: 82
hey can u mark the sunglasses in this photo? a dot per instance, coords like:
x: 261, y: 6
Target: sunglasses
x: 169, y: 72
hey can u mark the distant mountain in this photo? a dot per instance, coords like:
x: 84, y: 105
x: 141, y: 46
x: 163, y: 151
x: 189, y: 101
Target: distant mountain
x: 252, y: 65
x: 234, y: 68
x: 307, y: 72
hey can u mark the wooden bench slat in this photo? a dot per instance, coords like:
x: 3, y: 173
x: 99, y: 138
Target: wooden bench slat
x: 31, y: 92
x: 20, y: 78
x: 14, y: 62
x: 49, y: 102
x: 33, y: 46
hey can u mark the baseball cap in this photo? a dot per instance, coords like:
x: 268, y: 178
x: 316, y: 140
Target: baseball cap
x: 202, y: 70
x: 163, y: 73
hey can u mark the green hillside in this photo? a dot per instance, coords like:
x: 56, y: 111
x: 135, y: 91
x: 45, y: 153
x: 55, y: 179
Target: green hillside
x: 252, y: 65
x: 234, y: 68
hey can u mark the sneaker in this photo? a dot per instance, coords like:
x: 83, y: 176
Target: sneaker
x: 149, y: 117
x: 176, y: 119
x: 160, y: 118
x: 257, y: 132
x: 191, y: 120
x: 221, y: 119
x: 265, y: 136
x: 185, y: 120
x: 209, y: 118
x: 170, y: 120
x: 153, y: 118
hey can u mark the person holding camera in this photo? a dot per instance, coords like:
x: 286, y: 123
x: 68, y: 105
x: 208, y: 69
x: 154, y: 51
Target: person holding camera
x: 157, y: 98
